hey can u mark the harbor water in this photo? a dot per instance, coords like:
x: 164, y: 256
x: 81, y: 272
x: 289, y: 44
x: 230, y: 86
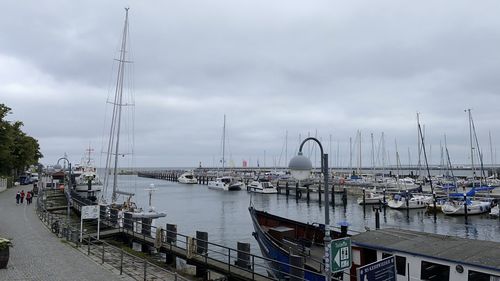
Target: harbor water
x: 224, y: 215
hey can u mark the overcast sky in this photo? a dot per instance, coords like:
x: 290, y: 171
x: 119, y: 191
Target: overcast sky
x: 323, y: 68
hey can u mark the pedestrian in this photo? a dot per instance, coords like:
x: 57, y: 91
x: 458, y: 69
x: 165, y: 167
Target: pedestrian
x: 18, y: 197
x: 22, y: 196
x: 28, y: 197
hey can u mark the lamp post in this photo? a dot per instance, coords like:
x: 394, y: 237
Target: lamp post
x: 66, y: 188
x: 300, y: 167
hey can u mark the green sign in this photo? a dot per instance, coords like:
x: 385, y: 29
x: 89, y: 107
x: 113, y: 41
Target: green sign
x: 340, y: 254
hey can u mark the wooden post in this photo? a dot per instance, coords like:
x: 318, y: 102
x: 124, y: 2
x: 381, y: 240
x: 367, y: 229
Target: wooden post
x: 243, y: 259
x: 287, y: 190
x: 308, y: 195
x: 319, y: 193
x: 171, y: 239
x: 201, y: 249
x: 297, y: 194
x: 465, y: 208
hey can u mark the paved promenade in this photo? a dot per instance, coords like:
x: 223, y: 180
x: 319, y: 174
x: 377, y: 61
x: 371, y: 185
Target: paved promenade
x: 37, y: 253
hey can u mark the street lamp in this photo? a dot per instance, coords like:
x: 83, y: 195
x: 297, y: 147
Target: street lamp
x: 66, y: 188
x: 300, y: 168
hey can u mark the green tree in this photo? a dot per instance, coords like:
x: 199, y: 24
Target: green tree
x: 17, y: 150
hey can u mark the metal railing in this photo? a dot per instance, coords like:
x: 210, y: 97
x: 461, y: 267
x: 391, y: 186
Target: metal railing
x: 214, y: 256
x: 136, y: 267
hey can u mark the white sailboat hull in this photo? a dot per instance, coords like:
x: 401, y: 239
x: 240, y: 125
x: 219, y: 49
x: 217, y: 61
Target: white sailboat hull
x: 457, y: 208
x: 416, y: 202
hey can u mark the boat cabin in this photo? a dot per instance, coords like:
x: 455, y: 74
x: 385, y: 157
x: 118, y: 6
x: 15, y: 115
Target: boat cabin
x: 426, y: 256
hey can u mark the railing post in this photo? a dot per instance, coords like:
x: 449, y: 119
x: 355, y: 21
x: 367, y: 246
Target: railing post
x: 253, y: 267
x: 229, y: 260
x: 145, y: 269
x: 103, y: 253
x: 121, y: 261
x: 88, y: 245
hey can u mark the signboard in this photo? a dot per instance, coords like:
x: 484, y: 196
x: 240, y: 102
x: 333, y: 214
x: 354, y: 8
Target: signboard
x: 90, y: 212
x: 382, y: 270
x: 340, y: 254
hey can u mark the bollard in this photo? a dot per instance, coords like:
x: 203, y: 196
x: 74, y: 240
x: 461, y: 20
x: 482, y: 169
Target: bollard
x: 344, y: 226
x: 297, y: 271
x: 243, y: 258
x: 171, y: 239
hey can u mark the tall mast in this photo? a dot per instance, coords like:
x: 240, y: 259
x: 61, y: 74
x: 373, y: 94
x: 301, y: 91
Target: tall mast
x: 471, y: 148
x: 223, y: 143
x: 373, y: 154
x: 114, y: 133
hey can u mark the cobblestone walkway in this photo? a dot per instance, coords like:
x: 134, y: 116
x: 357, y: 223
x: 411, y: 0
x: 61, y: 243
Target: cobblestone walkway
x: 38, y: 254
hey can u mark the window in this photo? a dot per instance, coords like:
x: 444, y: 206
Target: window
x: 401, y: 265
x: 433, y: 271
x: 480, y: 276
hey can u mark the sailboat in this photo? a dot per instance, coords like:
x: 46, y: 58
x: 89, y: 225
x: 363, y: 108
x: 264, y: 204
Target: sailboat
x: 457, y: 207
x: 226, y: 183
x: 128, y: 208
x: 407, y: 199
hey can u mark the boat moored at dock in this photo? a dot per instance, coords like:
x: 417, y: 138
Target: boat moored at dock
x: 188, y: 178
x: 262, y: 186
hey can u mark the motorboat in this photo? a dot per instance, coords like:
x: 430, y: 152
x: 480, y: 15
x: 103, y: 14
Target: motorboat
x: 371, y: 197
x: 408, y: 200
x: 226, y: 183
x: 262, y: 186
x: 187, y: 178
x: 474, y: 207
x: 280, y: 238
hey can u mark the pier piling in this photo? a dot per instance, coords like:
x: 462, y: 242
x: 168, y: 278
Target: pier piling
x: 465, y: 209
x: 171, y: 239
x: 201, y: 249
x: 243, y: 257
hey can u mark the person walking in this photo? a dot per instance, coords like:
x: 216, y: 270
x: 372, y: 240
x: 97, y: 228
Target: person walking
x: 28, y: 197
x: 18, y: 197
x: 22, y: 196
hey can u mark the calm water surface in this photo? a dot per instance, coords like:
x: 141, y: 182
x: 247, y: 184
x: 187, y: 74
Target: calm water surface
x: 224, y: 215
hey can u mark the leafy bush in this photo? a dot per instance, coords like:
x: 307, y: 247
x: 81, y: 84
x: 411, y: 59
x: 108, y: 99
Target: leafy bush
x: 4, y: 243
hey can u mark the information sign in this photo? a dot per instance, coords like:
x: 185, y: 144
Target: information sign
x: 382, y: 270
x: 90, y: 212
x: 341, y: 254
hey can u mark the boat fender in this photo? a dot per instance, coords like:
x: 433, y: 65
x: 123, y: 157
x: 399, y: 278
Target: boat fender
x: 299, y: 194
